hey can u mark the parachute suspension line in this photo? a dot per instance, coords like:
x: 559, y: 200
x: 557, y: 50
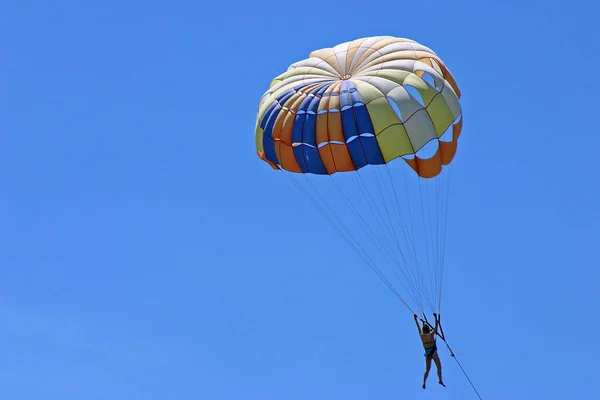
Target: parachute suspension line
x: 444, y: 233
x: 336, y: 223
x: 442, y: 196
x: 363, y: 223
x: 376, y: 241
x: 436, y: 233
x: 410, y: 229
x: 410, y: 263
x: 410, y: 219
x: 374, y: 208
x: 420, y: 261
x: 439, y: 221
x: 408, y: 234
x: 433, y: 198
x: 357, y: 244
x: 377, y: 214
x: 428, y: 238
x: 385, y: 194
x: 387, y: 226
x: 341, y: 229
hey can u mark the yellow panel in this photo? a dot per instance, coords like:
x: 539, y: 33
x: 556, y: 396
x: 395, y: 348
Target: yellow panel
x: 440, y: 114
x: 393, y: 142
x: 382, y: 114
x: 258, y: 136
x: 426, y: 91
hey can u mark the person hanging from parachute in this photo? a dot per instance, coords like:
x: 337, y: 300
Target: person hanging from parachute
x: 378, y: 109
x: 427, y: 335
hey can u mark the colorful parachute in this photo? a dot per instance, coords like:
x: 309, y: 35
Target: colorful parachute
x: 354, y: 109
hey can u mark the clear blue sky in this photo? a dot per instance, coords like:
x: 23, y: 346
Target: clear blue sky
x: 147, y: 253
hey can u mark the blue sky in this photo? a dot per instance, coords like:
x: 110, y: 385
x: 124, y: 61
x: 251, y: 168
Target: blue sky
x: 147, y: 253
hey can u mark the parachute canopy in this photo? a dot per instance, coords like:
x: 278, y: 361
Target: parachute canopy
x: 335, y: 122
x: 360, y: 103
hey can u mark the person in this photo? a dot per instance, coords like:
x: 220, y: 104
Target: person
x: 428, y: 339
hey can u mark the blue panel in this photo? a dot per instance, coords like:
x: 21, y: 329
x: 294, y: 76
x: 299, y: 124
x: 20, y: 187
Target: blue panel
x: 285, y: 96
x: 269, y: 149
x: 314, y: 105
x: 354, y: 147
x: 268, y: 129
x: 323, y: 88
x: 297, y: 129
x: 313, y: 161
x: 309, y: 131
x: 299, y: 156
x: 348, y: 124
x: 357, y: 153
x: 356, y: 98
x: 268, y: 143
x: 371, y: 149
x: 363, y: 119
x: 304, y: 105
x: 345, y: 97
x: 267, y: 114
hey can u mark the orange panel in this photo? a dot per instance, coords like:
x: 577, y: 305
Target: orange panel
x: 456, y: 128
x: 276, y: 133
x: 327, y: 157
x: 448, y: 76
x: 426, y: 167
x: 335, y: 130
x: 285, y: 154
x: 447, y: 151
x: 286, y: 128
x: 341, y: 157
x: 336, y: 158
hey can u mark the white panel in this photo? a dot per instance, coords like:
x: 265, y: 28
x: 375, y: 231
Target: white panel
x: 405, y: 102
x: 420, y: 129
x: 383, y: 85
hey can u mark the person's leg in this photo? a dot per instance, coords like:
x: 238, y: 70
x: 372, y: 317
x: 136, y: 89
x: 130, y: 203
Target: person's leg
x: 438, y: 365
x: 427, y: 368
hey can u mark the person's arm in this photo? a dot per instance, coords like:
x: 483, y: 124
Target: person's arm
x: 436, y: 324
x: 417, y: 322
